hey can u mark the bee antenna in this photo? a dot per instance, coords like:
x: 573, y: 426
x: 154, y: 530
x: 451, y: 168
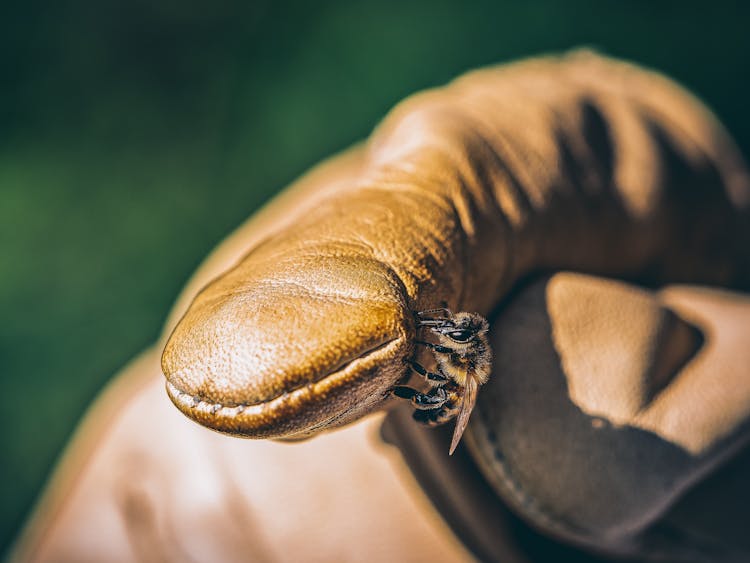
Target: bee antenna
x: 444, y: 310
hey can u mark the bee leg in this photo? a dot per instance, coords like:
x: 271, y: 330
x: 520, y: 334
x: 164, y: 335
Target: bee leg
x: 431, y: 376
x: 436, y: 347
x: 422, y: 401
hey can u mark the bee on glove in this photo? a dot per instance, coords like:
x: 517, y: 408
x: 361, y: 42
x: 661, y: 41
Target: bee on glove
x: 464, y: 361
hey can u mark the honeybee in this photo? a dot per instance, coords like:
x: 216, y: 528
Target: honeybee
x: 464, y: 361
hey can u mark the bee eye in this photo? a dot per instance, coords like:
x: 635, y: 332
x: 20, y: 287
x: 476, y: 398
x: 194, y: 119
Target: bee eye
x: 460, y: 335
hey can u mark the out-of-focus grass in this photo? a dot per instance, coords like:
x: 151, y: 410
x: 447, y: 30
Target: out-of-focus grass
x: 135, y: 134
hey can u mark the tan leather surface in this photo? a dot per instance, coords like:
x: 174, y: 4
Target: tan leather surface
x: 577, y: 162
x: 140, y: 483
x: 685, y: 378
x: 613, y: 365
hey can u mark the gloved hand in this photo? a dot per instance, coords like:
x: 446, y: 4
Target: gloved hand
x: 577, y: 163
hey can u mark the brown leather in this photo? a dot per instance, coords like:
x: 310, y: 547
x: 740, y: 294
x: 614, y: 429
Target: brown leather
x: 578, y: 162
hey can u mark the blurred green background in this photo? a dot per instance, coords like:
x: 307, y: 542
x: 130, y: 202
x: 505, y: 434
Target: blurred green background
x: 134, y: 134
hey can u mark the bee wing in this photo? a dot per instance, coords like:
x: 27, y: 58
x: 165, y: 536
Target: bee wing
x: 467, y: 405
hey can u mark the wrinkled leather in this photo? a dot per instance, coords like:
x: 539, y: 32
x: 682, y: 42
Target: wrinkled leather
x: 576, y: 162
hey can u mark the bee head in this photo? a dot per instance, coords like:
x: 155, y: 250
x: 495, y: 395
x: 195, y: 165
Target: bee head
x: 458, y: 328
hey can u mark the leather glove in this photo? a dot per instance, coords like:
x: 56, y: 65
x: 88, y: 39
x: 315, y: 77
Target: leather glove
x: 463, y: 193
x: 579, y: 164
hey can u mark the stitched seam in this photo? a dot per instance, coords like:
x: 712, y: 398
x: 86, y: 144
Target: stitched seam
x: 540, y: 513
x: 554, y: 523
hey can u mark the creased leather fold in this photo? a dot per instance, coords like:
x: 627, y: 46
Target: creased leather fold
x: 576, y: 162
